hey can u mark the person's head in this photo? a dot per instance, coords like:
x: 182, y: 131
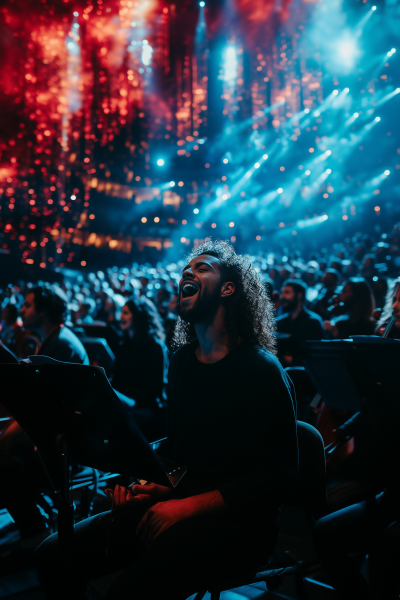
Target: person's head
x: 357, y: 298
x: 293, y: 293
x: 215, y: 278
x: 368, y: 265
x: 140, y: 319
x: 44, y: 304
x: 331, y: 279
x: 9, y: 314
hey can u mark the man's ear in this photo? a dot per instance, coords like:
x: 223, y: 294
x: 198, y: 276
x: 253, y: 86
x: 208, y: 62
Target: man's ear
x: 228, y: 288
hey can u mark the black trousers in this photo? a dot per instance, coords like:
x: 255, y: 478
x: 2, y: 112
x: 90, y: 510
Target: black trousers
x: 191, y: 555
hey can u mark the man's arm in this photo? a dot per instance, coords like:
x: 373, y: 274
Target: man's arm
x: 163, y: 515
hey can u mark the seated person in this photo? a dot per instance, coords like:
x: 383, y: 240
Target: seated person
x: 297, y: 322
x: 357, y: 300
x: 330, y: 282
x: 9, y: 324
x: 231, y: 421
x: 141, y: 365
x: 43, y: 311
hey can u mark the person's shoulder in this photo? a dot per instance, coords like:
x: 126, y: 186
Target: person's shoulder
x: 182, y: 353
x: 312, y: 315
x: 282, y: 317
x: 68, y: 337
x: 261, y: 358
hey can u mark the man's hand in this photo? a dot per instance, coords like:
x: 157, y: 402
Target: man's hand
x: 163, y: 515
x: 138, y: 495
x: 8, y: 435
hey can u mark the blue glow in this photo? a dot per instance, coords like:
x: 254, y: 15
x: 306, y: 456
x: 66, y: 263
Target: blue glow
x: 171, y: 183
x: 196, y: 211
x: 147, y: 51
x: 202, y: 4
x: 230, y: 64
x: 387, y: 172
x: 160, y: 162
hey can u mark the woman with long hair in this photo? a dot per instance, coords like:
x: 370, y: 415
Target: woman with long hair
x: 358, y: 302
x: 141, y: 364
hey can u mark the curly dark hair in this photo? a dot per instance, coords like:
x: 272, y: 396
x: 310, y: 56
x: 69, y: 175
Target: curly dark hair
x: 249, y: 311
x: 148, y: 322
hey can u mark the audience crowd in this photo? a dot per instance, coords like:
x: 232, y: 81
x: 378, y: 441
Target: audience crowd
x: 351, y: 289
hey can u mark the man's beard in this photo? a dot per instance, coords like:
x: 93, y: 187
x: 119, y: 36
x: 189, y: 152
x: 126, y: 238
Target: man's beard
x: 202, y: 308
x: 289, y: 305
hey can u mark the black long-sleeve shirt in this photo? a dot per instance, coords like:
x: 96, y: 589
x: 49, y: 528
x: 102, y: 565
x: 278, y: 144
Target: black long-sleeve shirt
x: 233, y: 424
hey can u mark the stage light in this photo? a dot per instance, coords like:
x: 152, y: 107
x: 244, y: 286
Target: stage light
x: 387, y: 172
x: 346, y: 90
x: 225, y: 161
x: 265, y: 156
x: 196, y: 211
x: 307, y: 172
x: 356, y: 115
x: 257, y: 165
x: 329, y: 171
x: 224, y: 196
x: 147, y: 51
x: 306, y: 110
x: 280, y: 190
x: 397, y: 90
x: 347, y: 49
x: 374, y: 8
x: 335, y: 92
x: 328, y: 152
x: 202, y: 4
x: 325, y: 217
x: 160, y: 162
x: 317, y: 114
x: 76, y: 14
x: 377, y: 119
x: 73, y: 197
x: 171, y: 183
x: 133, y: 24
x: 230, y: 64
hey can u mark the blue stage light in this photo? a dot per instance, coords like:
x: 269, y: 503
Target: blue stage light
x: 307, y: 173
x: 202, y: 4
x: 335, y: 92
x: 225, y: 161
x: 257, y: 165
x: 387, y: 173
x: 171, y: 183
x: 374, y: 8
x: 280, y: 190
x: 230, y: 64
x: 160, y: 162
x: 196, y: 211
x: 377, y: 119
x: 347, y: 49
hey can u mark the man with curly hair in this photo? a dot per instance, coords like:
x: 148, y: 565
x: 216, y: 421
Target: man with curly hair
x: 231, y: 421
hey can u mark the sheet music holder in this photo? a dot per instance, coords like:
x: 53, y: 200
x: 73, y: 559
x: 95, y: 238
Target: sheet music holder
x: 330, y: 365
x: 71, y: 411
x: 347, y: 371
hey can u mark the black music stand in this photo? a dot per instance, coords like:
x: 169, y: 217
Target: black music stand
x: 357, y: 374
x: 71, y: 412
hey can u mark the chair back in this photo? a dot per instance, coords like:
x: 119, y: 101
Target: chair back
x: 310, y: 487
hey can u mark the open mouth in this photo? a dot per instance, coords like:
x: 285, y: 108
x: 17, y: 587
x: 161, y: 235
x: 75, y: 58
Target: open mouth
x: 189, y: 289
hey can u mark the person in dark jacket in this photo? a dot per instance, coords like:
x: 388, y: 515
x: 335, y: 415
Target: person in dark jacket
x: 357, y: 301
x: 141, y: 365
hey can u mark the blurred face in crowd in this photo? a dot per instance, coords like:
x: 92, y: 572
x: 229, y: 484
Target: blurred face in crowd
x: 329, y: 280
x: 173, y: 303
x: 396, y: 306
x: 200, y: 289
x: 126, y: 318
x: 29, y: 316
x: 289, y: 298
x: 346, y: 296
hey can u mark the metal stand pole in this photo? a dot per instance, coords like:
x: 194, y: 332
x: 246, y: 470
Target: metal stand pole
x: 65, y: 513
